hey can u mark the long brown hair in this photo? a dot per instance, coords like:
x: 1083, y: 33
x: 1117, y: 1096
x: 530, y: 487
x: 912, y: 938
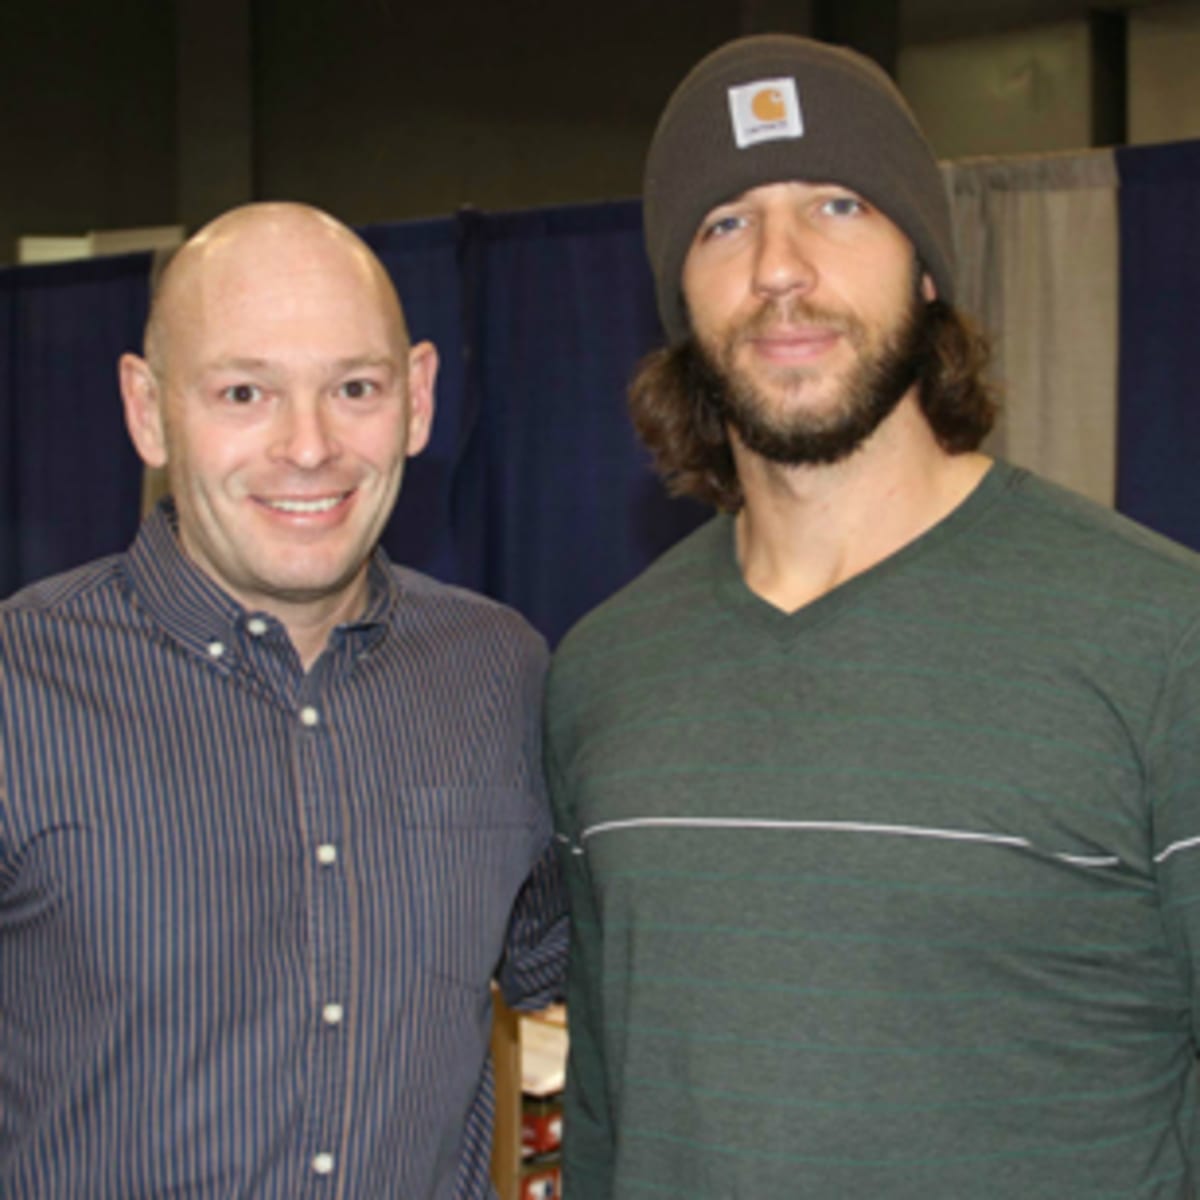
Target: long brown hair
x: 677, y: 417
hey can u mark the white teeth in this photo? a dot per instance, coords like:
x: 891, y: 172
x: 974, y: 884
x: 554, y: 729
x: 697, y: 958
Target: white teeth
x: 306, y: 506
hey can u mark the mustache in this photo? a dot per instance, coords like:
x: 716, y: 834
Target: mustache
x: 796, y: 310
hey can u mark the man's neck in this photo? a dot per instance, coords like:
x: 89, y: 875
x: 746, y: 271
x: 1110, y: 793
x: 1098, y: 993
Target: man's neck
x: 311, y: 625
x: 806, y: 530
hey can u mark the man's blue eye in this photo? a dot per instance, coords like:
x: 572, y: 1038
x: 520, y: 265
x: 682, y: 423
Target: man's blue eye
x: 723, y: 225
x: 844, y: 206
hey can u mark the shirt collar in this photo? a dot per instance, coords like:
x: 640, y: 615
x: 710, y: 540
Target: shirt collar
x: 195, y: 610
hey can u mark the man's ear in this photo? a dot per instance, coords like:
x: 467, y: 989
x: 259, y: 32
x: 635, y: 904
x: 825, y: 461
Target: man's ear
x: 928, y: 287
x: 142, y: 399
x: 422, y: 374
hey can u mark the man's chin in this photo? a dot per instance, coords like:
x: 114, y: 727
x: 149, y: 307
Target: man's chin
x: 792, y: 405
x: 312, y: 591
x: 812, y: 432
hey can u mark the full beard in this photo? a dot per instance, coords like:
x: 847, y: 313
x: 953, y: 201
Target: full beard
x: 868, y: 395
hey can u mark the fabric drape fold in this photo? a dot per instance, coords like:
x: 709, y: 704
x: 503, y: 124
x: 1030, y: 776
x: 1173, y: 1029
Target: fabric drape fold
x: 1038, y: 268
x: 70, y: 482
x: 1159, y: 427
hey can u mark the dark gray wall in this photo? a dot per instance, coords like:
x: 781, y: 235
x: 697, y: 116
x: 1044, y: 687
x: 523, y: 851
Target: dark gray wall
x: 161, y: 112
x: 86, y: 116
x: 407, y: 110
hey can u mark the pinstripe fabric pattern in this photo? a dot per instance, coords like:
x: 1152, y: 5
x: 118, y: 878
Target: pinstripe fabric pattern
x: 897, y: 896
x: 248, y: 915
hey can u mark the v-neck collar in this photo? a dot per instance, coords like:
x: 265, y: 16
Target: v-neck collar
x: 736, y: 598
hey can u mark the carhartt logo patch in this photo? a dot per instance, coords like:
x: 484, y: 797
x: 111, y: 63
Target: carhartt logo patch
x: 765, y: 111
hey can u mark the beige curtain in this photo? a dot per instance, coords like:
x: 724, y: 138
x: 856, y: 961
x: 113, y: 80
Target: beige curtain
x: 1037, y: 245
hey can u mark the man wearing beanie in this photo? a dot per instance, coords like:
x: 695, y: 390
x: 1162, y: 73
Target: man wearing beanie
x: 879, y: 795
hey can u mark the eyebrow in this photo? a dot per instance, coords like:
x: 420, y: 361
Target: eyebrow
x: 368, y: 361
x: 817, y: 185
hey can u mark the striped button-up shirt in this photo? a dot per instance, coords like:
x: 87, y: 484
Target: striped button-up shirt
x: 249, y: 914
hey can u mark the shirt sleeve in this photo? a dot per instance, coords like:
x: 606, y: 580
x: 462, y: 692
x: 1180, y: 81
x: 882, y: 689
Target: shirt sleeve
x: 1173, y: 776
x: 588, y: 1141
x: 532, y: 971
x: 533, y: 968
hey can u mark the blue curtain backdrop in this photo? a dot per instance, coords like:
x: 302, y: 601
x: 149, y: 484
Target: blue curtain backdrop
x: 534, y: 488
x: 8, y: 442
x: 1158, y: 442
x: 565, y: 311
x: 71, y: 483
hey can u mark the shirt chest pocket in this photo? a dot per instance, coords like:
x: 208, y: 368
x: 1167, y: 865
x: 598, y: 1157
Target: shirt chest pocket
x: 465, y: 854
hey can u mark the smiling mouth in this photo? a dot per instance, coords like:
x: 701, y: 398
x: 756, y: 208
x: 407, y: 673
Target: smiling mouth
x: 320, y: 505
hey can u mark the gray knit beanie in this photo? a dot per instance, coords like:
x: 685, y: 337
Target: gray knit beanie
x: 773, y: 108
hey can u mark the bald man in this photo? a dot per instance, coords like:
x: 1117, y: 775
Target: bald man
x: 271, y: 816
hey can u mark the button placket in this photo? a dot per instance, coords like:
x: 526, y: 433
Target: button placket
x: 319, y: 797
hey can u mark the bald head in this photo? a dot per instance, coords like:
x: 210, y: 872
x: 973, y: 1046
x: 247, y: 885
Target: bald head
x: 248, y: 244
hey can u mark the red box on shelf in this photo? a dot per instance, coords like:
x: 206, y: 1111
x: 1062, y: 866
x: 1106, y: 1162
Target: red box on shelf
x: 541, y: 1125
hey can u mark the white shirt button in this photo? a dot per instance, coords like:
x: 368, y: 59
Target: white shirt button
x: 326, y: 854
x: 216, y: 649
x: 309, y: 716
x: 322, y: 1164
x: 256, y: 626
x: 332, y: 1014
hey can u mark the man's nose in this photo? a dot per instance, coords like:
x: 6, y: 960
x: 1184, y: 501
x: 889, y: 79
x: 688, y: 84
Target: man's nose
x: 784, y: 260
x: 306, y: 436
